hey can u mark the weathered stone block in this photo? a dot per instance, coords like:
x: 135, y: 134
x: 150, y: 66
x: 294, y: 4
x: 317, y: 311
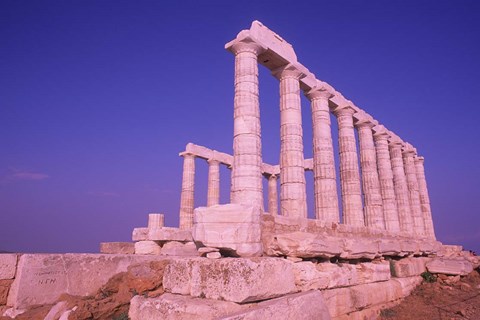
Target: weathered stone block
x: 236, y: 280
x: 175, y: 248
x: 308, y: 277
x: 409, y: 267
x: 147, y: 247
x: 176, y: 307
x: 357, y: 248
x: 161, y: 234
x: 4, y: 288
x: 117, y: 247
x: 451, y: 266
x: 305, y: 245
x: 299, y: 306
x: 8, y: 265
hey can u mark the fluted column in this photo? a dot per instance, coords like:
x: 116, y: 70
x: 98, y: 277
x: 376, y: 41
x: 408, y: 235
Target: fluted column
x: 293, y: 194
x: 188, y: 191
x: 213, y: 191
x: 373, y: 208
x: 324, y: 176
x: 349, y: 172
x: 247, y: 145
x: 412, y: 183
x: 272, y: 195
x: 424, y: 198
x: 385, y: 176
x: 401, y: 188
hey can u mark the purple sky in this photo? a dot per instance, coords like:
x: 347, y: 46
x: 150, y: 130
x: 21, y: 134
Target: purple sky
x: 97, y: 98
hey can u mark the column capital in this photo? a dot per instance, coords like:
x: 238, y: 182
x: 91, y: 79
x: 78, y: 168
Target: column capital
x: 318, y: 93
x: 419, y: 159
x: 344, y: 110
x: 213, y: 161
x: 362, y: 120
x: 245, y: 43
x: 380, y: 133
x: 186, y: 154
x: 291, y: 70
x: 408, y: 149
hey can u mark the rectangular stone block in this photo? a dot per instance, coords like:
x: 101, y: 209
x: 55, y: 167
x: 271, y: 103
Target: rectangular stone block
x: 238, y: 280
x: 451, y: 266
x: 409, y: 267
x: 117, y: 247
x: 4, y: 288
x: 226, y: 213
x: 42, y: 278
x: 8, y: 265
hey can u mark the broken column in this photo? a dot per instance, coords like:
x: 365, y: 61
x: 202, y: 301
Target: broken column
x: 324, y: 176
x: 424, y: 198
x: 247, y: 144
x: 400, y: 184
x: 213, y: 191
x: 385, y: 176
x: 293, y: 194
x: 412, y: 183
x: 349, y: 171
x: 272, y: 195
x: 188, y: 191
x: 368, y: 161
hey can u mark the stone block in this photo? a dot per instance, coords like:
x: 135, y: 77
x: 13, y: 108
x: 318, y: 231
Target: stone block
x: 176, y: 307
x: 147, y: 247
x: 449, y: 250
x: 304, y: 245
x: 308, y: 277
x: 117, y: 247
x: 4, y: 288
x: 42, y: 278
x: 161, y: 234
x: 179, y: 249
x: 8, y: 265
x: 237, y: 280
x: 299, y: 306
x: 140, y: 234
x: 233, y: 228
x: 450, y: 266
x: 358, y: 248
x: 409, y: 267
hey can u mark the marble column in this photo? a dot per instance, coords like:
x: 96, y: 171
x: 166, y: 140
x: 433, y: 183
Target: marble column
x: 373, y: 204
x: 246, y: 182
x: 349, y: 171
x: 424, y: 198
x: 213, y: 191
x: 324, y: 176
x: 385, y: 176
x: 412, y: 183
x: 293, y: 194
x: 272, y: 195
x: 401, y: 188
x: 188, y: 191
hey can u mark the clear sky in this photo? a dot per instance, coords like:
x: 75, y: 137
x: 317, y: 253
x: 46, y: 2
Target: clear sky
x: 97, y: 98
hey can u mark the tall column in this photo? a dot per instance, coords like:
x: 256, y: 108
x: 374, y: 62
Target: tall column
x: 188, y: 191
x: 424, y: 198
x: 247, y: 145
x: 324, y: 176
x: 412, y: 183
x: 213, y: 191
x: 272, y: 195
x: 385, y: 176
x: 401, y: 188
x: 349, y: 172
x: 373, y: 208
x: 293, y: 194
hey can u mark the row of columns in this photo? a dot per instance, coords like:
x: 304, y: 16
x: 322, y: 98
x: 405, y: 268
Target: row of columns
x: 395, y: 195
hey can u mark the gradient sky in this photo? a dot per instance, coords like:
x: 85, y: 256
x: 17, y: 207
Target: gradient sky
x: 97, y: 98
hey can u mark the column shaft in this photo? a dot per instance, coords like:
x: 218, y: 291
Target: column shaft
x: 401, y: 188
x: 373, y: 208
x: 188, y: 191
x: 324, y: 176
x: 424, y: 198
x: 293, y: 194
x: 247, y: 145
x: 412, y: 183
x: 349, y: 172
x: 213, y: 191
x: 272, y: 195
x: 385, y: 175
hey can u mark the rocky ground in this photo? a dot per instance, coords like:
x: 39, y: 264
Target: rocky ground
x: 445, y: 298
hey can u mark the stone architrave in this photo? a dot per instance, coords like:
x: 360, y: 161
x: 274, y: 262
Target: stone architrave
x: 385, y: 175
x: 401, y: 188
x: 188, y: 191
x: 370, y: 181
x: 246, y: 185
x: 324, y: 176
x: 349, y: 171
x: 412, y: 183
x: 293, y: 194
x: 272, y: 195
x: 424, y: 198
x: 213, y: 191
